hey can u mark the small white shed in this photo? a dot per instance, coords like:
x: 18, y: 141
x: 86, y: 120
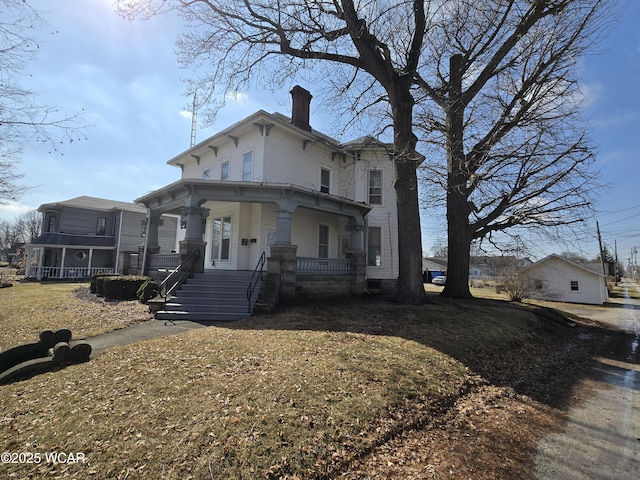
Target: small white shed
x: 558, y: 279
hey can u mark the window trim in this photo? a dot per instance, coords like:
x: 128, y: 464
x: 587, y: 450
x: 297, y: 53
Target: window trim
x: 244, y: 154
x: 101, y: 226
x: 369, y: 256
x: 370, y: 187
x: 323, y: 245
x: 224, y: 163
x: 325, y: 188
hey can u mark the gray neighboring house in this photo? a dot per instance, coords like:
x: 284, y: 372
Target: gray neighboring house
x: 88, y: 235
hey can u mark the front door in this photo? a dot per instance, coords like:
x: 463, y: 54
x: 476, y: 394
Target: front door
x: 221, y: 240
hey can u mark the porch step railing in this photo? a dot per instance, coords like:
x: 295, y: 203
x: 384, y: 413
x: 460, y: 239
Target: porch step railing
x: 323, y: 265
x: 256, y: 277
x: 177, y: 277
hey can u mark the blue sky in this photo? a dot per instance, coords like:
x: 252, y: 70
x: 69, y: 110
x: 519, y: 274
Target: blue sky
x: 125, y: 76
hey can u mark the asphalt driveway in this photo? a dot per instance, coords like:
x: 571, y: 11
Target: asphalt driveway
x: 602, y: 438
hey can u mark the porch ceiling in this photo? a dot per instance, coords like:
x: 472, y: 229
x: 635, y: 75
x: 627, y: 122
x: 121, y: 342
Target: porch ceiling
x: 194, y: 192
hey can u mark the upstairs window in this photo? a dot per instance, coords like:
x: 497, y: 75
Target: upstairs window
x: 52, y: 226
x: 575, y: 286
x: 325, y: 180
x: 206, y: 174
x: 247, y: 167
x: 101, y: 226
x: 224, y: 170
x: 375, y: 187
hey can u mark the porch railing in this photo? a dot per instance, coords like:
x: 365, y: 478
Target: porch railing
x: 67, y: 272
x: 162, y: 261
x: 322, y: 265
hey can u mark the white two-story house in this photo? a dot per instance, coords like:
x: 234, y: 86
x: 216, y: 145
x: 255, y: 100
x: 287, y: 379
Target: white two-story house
x: 271, y: 184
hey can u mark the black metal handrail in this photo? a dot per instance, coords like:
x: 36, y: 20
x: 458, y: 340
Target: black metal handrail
x: 255, y: 277
x: 177, y: 277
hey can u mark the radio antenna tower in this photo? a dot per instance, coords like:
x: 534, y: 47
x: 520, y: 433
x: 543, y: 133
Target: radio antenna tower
x: 194, y: 119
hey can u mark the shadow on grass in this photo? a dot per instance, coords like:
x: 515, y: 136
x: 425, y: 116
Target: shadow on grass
x: 539, y: 352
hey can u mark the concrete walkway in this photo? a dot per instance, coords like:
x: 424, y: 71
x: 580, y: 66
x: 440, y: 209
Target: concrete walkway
x: 138, y: 333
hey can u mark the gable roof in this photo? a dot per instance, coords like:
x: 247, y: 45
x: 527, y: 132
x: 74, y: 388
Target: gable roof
x: 94, y: 203
x: 554, y: 256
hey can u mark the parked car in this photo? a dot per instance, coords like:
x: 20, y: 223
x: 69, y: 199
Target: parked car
x: 439, y: 280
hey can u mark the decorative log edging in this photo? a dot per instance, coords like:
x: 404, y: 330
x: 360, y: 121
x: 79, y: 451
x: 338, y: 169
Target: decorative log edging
x: 53, y: 351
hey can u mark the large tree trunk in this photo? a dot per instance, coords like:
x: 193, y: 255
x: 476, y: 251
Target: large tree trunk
x: 410, y: 287
x: 458, y: 230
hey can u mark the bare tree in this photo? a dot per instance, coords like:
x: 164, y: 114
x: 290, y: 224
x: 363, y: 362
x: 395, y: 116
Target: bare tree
x: 500, y: 112
x: 375, y: 49
x: 23, y: 229
x: 22, y: 119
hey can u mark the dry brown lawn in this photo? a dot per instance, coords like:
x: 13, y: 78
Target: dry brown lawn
x: 356, y: 389
x: 28, y: 308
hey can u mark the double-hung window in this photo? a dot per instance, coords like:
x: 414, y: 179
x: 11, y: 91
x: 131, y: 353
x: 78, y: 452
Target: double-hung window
x: 101, y: 226
x: 375, y: 187
x: 325, y: 180
x: 374, y: 247
x: 323, y: 242
x: 224, y: 170
x: 247, y: 166
x: 575, y: 286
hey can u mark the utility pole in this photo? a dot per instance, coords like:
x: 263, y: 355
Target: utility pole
x: 194, y: 119
x: 601, y: 251
x: 615, y: 250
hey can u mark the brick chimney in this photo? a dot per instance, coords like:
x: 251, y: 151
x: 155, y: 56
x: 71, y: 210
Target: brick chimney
x: 301, y: 100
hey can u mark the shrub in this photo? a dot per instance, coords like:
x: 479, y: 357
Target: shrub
x: 147, y: 291
x: 96, y: 285
x: 122, y: 287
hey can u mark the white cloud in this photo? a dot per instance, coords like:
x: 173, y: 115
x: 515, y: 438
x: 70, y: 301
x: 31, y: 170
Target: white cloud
x: 11, y: 210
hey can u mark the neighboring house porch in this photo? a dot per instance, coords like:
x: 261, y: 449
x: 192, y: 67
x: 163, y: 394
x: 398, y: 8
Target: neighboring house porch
x: 63, y: 256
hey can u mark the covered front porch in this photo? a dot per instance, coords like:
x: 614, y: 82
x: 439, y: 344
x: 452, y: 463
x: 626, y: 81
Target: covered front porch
x: 231, y: 224
x: 68, y: 257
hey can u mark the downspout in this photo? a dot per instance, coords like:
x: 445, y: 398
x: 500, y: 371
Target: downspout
x: 116, y: 266
x: 146, y: 242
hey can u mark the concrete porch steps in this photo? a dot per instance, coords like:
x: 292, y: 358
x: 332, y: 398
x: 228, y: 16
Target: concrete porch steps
x: 215, y: 295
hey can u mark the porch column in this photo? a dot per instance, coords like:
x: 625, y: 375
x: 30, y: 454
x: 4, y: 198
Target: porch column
x: 281, y: 272
x: 283, y: 225
x: 89, y: 262
x: 196, y: 217
x: 154, y: 223
x: 64, y: 254
x: 27, y: 266
x: 40, y: 260
x: 355, y: 227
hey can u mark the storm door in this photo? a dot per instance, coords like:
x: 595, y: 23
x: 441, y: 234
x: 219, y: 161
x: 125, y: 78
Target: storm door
x: 221, y: 240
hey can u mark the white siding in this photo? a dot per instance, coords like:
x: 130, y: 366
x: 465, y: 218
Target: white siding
x: 286, y: 161
x: 556, y: 276
x: 228, y: 151
x: 383, y: 216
